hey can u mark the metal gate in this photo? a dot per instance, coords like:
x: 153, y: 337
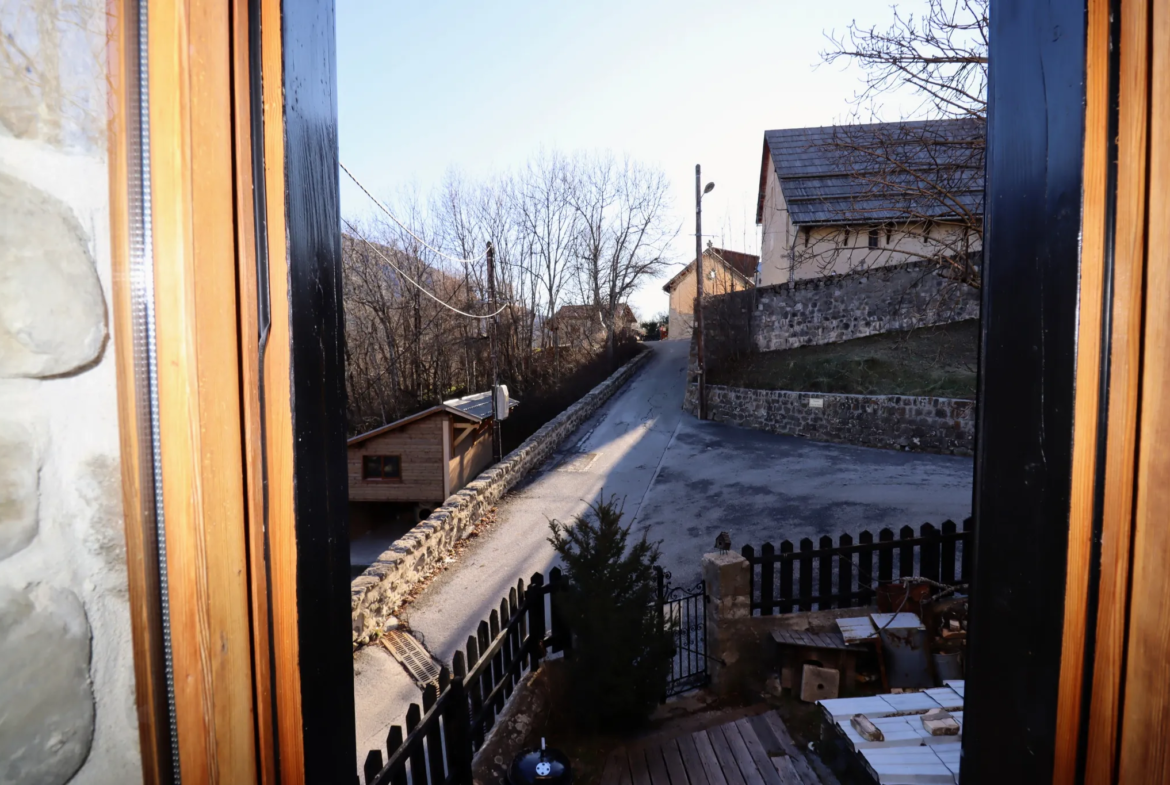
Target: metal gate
x: 685, y: 609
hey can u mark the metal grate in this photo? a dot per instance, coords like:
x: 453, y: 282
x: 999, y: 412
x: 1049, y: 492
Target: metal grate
x: 412, y: 656
x: 578, y: 463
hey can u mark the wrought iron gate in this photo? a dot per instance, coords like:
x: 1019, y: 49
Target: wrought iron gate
x: 685, y: 609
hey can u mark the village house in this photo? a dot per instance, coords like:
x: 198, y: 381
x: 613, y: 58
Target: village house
x: 582, y: 326
x: 835, y: 199
x: 723, y: 272
x: 400, y: 472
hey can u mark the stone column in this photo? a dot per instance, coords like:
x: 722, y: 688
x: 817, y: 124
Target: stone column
x: 728, y: 605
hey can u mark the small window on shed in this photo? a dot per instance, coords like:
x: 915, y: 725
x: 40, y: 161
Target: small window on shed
x: 873, y: 237
x: 381, y: 467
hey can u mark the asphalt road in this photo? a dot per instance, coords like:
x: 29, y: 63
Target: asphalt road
x: 682, y: 481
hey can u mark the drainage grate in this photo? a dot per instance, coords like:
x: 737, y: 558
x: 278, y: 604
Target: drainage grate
x: 412, y: 656
x: 578, y: 463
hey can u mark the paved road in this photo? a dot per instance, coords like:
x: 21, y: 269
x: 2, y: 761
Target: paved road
x: 683, y: 481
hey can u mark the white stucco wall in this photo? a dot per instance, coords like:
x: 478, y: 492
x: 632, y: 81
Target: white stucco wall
x: 67, y: 700
x: 794, y: 253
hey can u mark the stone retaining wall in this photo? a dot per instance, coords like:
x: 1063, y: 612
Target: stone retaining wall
x: 899, y: 422
x: 867, y: 302
x: 377, y: 591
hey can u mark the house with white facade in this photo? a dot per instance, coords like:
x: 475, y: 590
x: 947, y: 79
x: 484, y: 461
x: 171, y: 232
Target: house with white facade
x: 835, y: 199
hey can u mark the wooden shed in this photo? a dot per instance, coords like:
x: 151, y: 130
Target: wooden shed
x: 424, y: 458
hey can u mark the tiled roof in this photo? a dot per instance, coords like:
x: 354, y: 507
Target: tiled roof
x: 745, y: 264
x: 878, y: 172
x: 592, y: 313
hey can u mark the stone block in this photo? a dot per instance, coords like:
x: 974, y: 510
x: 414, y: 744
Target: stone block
x: 939, y: 722
x: 47, y: 719
x: 819, y: 683
x: 52, y: 311
x: 728, y: 578
x: 19, y: 470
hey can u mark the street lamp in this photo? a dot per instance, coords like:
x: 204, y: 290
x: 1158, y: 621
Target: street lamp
x: 699, y: 288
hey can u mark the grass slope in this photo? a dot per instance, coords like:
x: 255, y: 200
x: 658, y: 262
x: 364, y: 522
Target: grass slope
x: 936, y: 361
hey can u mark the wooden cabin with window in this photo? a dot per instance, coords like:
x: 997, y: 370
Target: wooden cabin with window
x: 418, y: 461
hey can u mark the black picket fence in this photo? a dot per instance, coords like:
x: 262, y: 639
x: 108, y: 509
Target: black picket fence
x: 843, y: 575
x: 442, y: 738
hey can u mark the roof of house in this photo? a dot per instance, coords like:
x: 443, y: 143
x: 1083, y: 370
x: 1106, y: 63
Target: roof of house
x: 475, y: 408
x: 876, y: 172
x: 744, y: 265
x: 593, y: 313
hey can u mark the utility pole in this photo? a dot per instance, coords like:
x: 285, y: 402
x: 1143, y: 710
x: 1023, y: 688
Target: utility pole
x: 497, y: 445
x: 699, y: 292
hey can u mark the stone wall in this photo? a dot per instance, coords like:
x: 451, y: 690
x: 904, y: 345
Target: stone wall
x: 377, y: 591
x: 867, y: 302
x: 900, y: 422
x: 740, y: 645
x: 67, y: 701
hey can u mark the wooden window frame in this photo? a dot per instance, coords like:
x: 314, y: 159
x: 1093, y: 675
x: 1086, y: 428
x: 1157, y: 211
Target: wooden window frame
x: 874, y: 236
x: 382, y: 460
x: 246, y: 302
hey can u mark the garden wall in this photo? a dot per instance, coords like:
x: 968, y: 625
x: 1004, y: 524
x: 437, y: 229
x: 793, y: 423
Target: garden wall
x: 377, y: 592
x: 900, y: 422
x: 866, y: 302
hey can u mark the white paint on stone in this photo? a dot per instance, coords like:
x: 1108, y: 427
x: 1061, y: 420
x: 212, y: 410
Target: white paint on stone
x: 79, y: 544
x: 52, y: 313
x: 19, y: 468
x: 46, y: 701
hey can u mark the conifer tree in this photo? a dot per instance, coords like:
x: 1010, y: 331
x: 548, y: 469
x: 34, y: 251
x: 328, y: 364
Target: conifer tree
x: 622, y: 648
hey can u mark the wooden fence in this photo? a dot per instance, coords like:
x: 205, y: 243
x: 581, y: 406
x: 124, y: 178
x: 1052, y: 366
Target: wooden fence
x: 844, y: 574
x: 443, y: 736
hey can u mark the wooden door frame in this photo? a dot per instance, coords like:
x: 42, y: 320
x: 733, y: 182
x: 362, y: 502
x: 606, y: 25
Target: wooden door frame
x: 1023, y: 455
x: 1069, y: 651
x: 231, y: 380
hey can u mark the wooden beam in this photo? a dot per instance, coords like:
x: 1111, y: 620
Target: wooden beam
x: 282, y: 523
x: 464, y: 430
x: 1145, y: 722
x: 1124, y: 349
x: 193, y: 226
x: 128, y: 314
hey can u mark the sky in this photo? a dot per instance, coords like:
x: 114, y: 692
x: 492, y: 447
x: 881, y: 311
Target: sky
x: 429, y: 87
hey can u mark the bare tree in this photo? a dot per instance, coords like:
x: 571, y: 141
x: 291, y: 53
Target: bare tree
x: 624, y: 232
x: 916, y: 190
x: 940, y: 55
x: 412, y: 333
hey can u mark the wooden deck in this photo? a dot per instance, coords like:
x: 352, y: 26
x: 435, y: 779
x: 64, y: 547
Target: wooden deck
x: 750, y: 751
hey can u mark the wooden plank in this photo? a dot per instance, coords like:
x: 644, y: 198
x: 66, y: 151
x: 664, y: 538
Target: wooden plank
x: 771, y: 724
x: 278, y: 410
x: 787, y: 772
x: 656, y: 765
x: 705, y: 748
x: 675, y: 766
x: 1146, y: 719
x: 639, y: 773
x: 778, y: 728
x: 740, y: 755
x: 1124, y: 379
x: 193, y: 226
x: 615, y: 766
x: 696, y: 772
x: 763, y: 763
x: 138, y: 503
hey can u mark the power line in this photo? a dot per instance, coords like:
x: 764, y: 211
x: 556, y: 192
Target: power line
x: 419, y: 286
x: 406, y: 228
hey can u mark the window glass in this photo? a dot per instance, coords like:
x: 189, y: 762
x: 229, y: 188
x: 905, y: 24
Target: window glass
x: 381, y: 467
x: 391, y: 467
x: 371, y: 467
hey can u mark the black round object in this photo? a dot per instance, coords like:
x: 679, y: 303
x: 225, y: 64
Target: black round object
x: 545, y: 766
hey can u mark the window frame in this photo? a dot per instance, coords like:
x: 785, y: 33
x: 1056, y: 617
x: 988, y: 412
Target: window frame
x: 382, y: 459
